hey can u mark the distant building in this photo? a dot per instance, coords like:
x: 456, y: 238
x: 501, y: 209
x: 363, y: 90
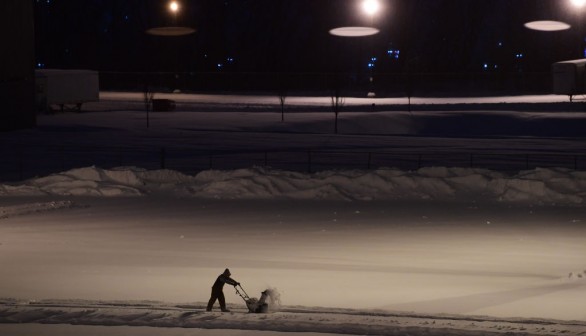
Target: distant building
x: 17, y: 95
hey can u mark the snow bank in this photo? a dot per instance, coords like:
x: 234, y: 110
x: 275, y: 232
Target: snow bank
x: 90, y: 181
x: 440, y: 183
x: 551, y: 186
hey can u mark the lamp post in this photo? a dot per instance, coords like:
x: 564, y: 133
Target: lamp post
x: 174, y: 8
x: 371, y: 8
x: 579, y: 5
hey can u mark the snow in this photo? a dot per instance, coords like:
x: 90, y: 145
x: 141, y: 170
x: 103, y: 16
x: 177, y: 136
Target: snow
x: 173, y: 320
x: 545, y: 186
x: 431, y: 251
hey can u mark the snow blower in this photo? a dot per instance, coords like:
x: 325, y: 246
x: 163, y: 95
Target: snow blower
x: 254, y: 305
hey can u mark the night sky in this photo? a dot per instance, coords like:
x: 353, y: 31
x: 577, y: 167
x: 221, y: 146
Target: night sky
x: 292, y: 36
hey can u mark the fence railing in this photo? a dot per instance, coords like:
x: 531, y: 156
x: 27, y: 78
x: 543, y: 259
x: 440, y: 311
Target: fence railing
x: 24, y: 163
x: 385, y: 84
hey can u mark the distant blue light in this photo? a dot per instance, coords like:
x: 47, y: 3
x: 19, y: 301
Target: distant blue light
x: 220, y: 65
x: 126, y: 17
x: 485, y: 66
x: 520, y: 55
x: 394, y: 53
x: 371, y: 65
x: 230, y: 60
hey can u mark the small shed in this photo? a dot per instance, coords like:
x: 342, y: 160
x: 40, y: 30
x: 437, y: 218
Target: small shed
x: 60, y: 88
x: 569, y: 77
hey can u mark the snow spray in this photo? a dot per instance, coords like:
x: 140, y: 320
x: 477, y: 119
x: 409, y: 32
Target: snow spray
x: 269, y: 302
x: 273, y: 299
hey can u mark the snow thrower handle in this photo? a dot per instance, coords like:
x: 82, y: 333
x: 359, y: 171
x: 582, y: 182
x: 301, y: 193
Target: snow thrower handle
x: 243, y: 296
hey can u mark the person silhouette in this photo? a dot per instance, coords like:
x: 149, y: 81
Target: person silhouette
x: 218, y: 290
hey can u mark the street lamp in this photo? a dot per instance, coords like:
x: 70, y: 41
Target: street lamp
x: 174, y: 7
x: 371, y: 7
x: 174, y: 29
x: 579, y: 6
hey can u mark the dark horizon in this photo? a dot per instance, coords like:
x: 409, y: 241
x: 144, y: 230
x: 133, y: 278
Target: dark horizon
x: 292, y: 36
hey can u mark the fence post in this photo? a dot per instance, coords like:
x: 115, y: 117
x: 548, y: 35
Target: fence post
x: 21, y: 166
x: 62, y: 152
x: 163, y: 158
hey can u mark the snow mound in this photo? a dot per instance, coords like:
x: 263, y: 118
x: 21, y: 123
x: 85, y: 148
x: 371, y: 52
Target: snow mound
x: 540, y: 185
x: 89, y: 181
x: 544, y: 186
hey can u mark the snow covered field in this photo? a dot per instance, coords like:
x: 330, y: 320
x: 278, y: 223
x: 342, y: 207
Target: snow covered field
x: 440, y: 251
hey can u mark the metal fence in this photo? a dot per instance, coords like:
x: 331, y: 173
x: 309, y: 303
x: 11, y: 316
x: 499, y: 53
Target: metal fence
x: 20, y: 164
x: 385, y: 84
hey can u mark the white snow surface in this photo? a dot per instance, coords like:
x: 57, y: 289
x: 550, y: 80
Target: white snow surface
x: 433, y: 251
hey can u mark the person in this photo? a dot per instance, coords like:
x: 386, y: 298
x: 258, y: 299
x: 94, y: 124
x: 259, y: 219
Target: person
x: 217, y: 290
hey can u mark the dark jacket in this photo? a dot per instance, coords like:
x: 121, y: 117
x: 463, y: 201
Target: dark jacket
x: 223, y: 279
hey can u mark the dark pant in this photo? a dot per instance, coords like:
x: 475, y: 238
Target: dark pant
x: 217, y: 294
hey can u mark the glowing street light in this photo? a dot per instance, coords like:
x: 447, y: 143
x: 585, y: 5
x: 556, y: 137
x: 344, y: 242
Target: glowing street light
x: 173, y: 30
x: 547, y: 25
x: 174, y: 7
x: 371, y: 7
x: 354, y: 31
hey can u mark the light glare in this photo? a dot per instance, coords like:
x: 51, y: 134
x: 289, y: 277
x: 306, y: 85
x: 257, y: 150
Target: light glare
x: 578, y: 3
x: 547, y: 25
x: 370, y: 7
x: 174, y: 6
x: 354, y: 31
